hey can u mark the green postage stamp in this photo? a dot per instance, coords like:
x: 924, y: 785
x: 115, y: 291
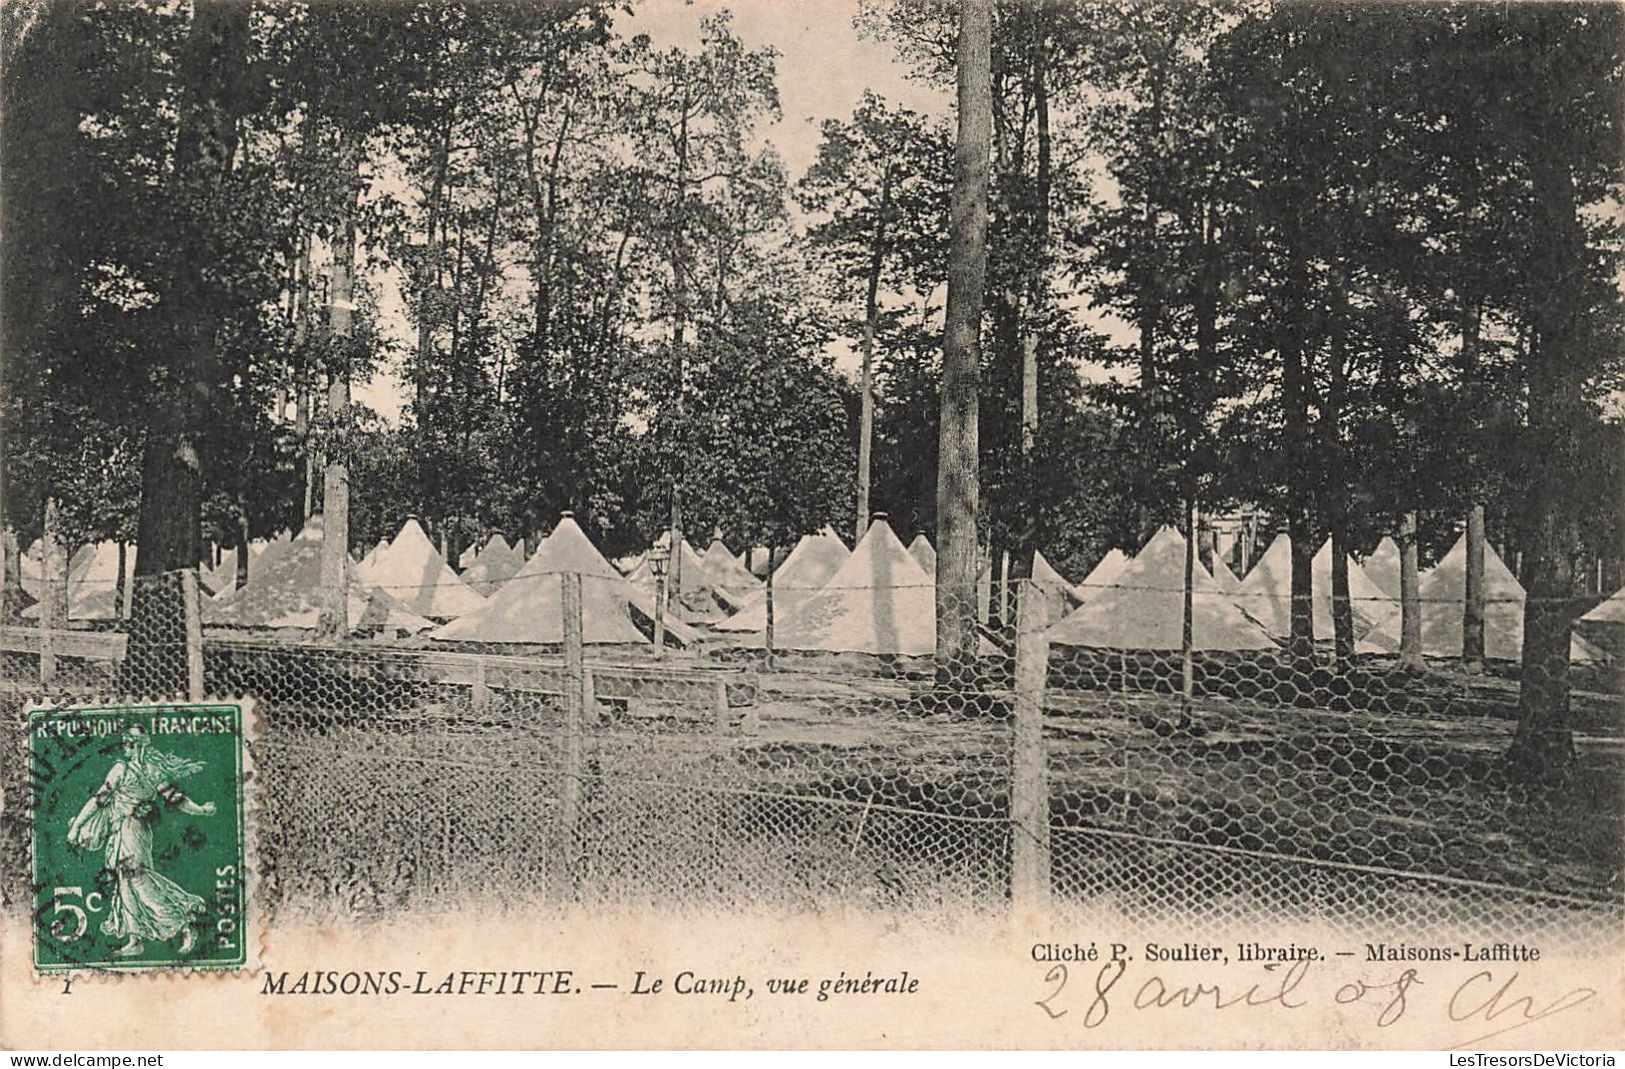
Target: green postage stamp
x: 140, y: 838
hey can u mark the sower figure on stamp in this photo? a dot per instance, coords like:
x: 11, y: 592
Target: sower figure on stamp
x: 117, y: 819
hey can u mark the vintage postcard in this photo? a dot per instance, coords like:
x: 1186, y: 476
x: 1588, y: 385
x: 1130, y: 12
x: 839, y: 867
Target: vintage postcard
x: 830, y: 524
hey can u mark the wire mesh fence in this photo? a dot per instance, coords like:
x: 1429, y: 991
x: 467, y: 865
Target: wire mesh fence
x: 1079, y: 761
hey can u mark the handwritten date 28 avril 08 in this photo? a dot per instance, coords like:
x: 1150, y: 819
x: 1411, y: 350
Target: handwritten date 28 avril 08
x: 1494, y: 1002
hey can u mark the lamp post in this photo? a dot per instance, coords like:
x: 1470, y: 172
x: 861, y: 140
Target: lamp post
x: 658, y: 558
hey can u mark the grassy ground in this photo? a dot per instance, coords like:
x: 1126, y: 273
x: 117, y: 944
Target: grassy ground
x: 381, y: 792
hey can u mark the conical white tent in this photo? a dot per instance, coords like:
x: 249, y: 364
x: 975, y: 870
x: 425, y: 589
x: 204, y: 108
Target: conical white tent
x: 223, y: 576
x: 1443, y: 598
x: 1059, y: 594
x: 1610, y: 611
x: 411, y: 569
x: 1144, y: 608
x: 93, y: 583
x: 696, y: 594
x: 497, y: 543
x: 1103, y: 575
x: 31, y: 572
x: 30, y: 564
x: 924, y: 553
x: 371, y: 556
x: 1382, y: 567
x: 529, y: 608
x: 816, y: 558
x: 269, y: 551
x: 78, y: 561
x: 879, y: 601
x: 288, y: 592
x: 729, y: 572
x: 1224, y: 576
x: 1266, y: 593
x: 496, y: 563
x: 1368, y: 601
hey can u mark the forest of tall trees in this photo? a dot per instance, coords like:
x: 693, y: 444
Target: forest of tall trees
x: 1160, y: 259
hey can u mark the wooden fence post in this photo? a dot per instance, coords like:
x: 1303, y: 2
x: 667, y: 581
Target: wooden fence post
x: 719, y: 707
x: 194, y: 634
x: 1029, y: 774
x: 480, y: 693
x: 570, y: 782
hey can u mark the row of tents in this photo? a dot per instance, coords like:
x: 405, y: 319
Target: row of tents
x: 876, y: 598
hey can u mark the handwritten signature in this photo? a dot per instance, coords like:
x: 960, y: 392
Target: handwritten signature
x: 1484, y: 998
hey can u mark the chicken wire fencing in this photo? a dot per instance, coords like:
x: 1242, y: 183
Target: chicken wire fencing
x: 1049, y: 768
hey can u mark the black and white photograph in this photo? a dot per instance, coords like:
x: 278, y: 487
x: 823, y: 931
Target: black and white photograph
x: 753, y: 513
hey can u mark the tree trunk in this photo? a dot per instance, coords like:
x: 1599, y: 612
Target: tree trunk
x: 10, y: 572
x: 767, y: 632
x: 429, y: 271
x: 242, y: 543
x: 1027, y: 531
x: 1300, y: 463
x: 958, y: 488
x: 170, y: 523
x: 334, y: 618
x: 1472, y: 616
x: 1187, y: 624
x: 1342, y: 607
x: 1336, y: 390
x: 679, y: 275
x: 871, y: 317
x: 1543, y: 743
x: 1410, y: 601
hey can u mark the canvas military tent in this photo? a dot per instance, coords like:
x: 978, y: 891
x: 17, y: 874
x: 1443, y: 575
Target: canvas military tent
x: 1144, y: 608
x: 288, y: 592
x: 1443, y: 601
x: 30, y: 565
x: 369, y: 557
x: 93, y: 583
x: 924, y: 553
x: 1382, y: 567
x: 495, y: 564
x: 879, y: 601
x: 1103, y: 575
x: 804, y: 572
x: 1266, y: 593
x: 268, y: 551
x: 412, y: 570
x: 1369, y: 601
x: 1611, y: 610
x: 529, y: 608
x: 78, y: 561
x: 1605, y: 624
x: 730, y: 574
x: 1223, y: 575
x: 692, y: 591
x: 221, y: 577
x: 1059, y: 595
